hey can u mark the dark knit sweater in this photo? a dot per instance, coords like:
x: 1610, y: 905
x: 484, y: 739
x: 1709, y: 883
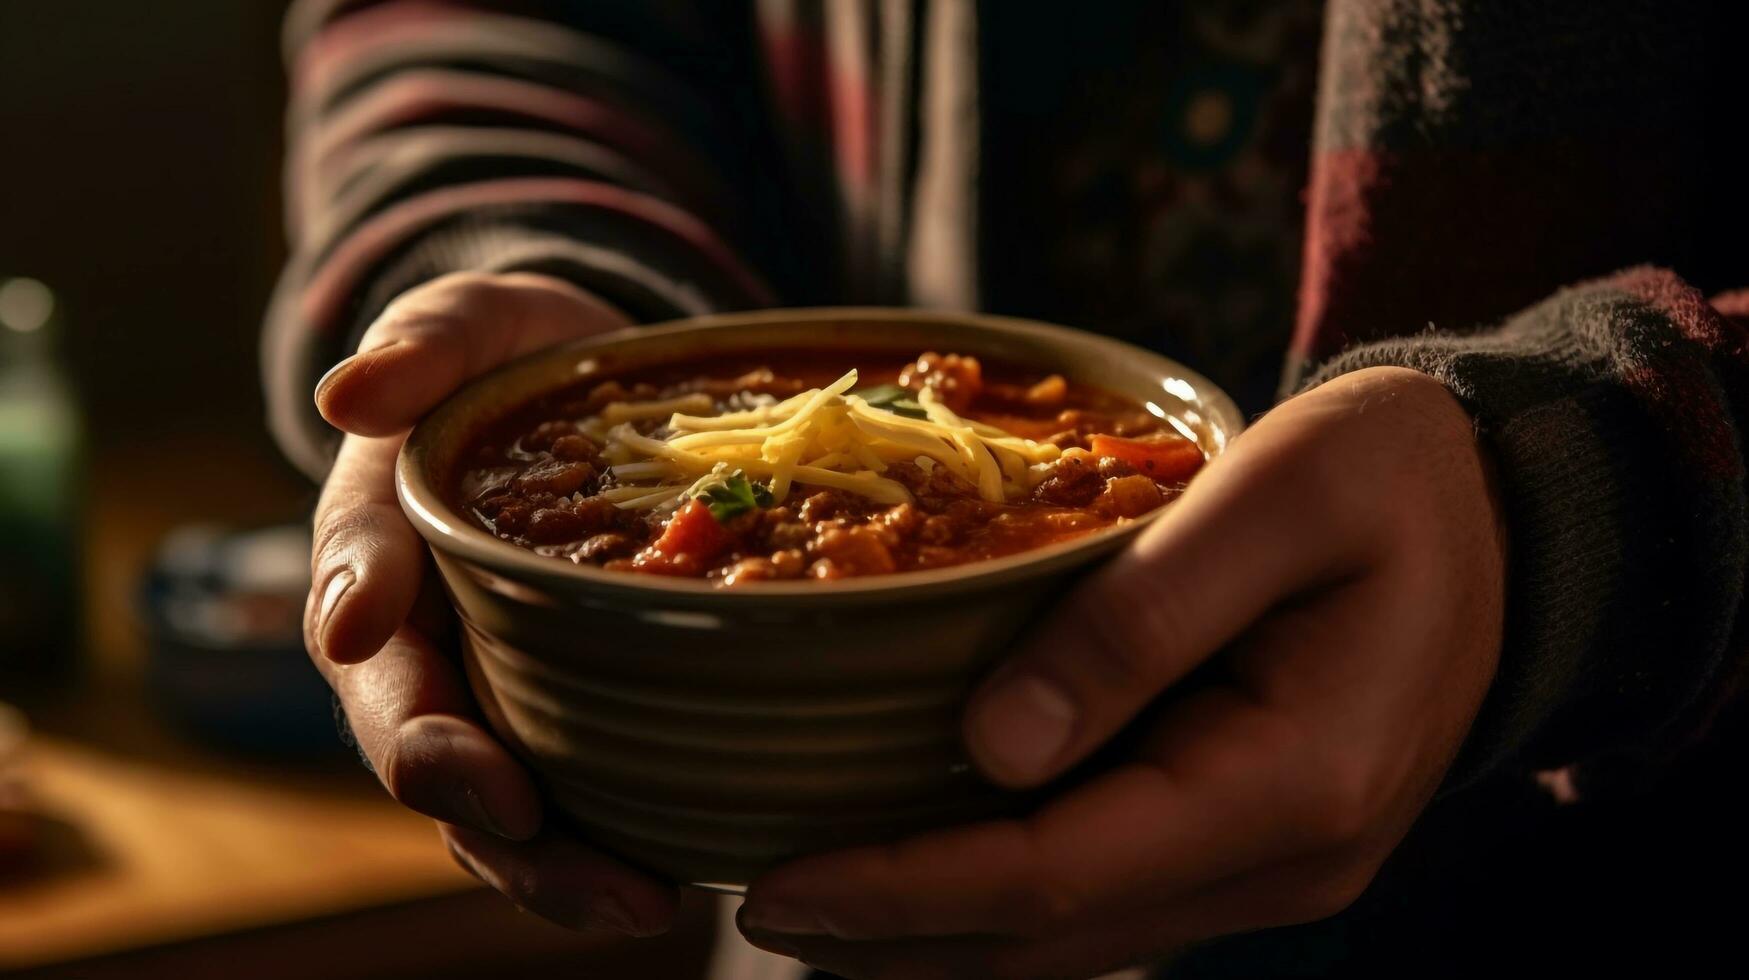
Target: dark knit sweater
x: 1469, y: 159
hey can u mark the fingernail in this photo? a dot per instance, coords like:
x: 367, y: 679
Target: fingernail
x: 613, y: 913
x: 1024, y: 725
x: 326, y: 381
x: 471, y: 810
x: 337, y: 586
x: 778, y: 917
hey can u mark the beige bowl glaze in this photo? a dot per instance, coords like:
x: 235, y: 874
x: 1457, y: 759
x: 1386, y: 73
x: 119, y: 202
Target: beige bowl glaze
x: 707, y: 733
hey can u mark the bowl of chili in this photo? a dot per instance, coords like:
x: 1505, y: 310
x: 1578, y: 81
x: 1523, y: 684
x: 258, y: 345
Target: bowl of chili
x: 724, y: 583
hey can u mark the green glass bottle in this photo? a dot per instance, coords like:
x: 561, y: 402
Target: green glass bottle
x: 40, y: 493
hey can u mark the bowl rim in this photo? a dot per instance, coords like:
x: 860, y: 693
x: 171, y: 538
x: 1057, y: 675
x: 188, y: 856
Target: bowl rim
x: 448, y: 531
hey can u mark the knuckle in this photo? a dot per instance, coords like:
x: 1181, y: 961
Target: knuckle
x: 476, y: 294
x: 395, y: 771
x: 457, y: 288
x: 407, y: 769
x: 441, y: 304
x: 338, y: 528
x: 1127, y: 620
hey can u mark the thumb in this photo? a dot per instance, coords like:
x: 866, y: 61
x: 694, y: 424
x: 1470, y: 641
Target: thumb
x: 432, y: 339
x: 1226, y: 551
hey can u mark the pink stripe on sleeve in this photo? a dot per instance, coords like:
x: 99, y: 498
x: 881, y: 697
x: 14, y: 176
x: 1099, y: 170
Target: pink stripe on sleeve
x: 338, y: 277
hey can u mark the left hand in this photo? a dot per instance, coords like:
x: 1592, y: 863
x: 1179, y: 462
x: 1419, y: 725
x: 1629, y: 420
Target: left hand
x: 1342, y: 568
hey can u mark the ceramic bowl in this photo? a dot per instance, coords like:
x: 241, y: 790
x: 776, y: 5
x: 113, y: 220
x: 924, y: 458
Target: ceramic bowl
x: 707, y: 733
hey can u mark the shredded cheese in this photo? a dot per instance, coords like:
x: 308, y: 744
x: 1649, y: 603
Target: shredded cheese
x: 618, y: 412
x: 826, y: 437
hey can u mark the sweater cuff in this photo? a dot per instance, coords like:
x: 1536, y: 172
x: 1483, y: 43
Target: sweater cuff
x: 1623, y: 488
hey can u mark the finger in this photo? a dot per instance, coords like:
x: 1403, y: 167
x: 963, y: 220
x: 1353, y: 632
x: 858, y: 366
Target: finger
x: 412, y: 715
x: 1093, y: 949
x: 1219, y: 800
x: 1275, y: 896
x: 443, y: 333
x: 559, y: 879
x: 1235, y: 544
x: 367, y: 562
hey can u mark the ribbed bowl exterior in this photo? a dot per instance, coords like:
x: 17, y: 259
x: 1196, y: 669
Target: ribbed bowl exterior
x: 707, y: 746
x: 706, y: 733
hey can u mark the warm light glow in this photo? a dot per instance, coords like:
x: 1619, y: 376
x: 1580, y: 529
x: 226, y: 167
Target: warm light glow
x: 25, y: 305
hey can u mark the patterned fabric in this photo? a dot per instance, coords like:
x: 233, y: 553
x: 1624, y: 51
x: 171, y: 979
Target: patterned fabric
x: 1140, y: 168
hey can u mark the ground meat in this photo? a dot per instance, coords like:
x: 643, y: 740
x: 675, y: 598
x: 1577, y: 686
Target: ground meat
x: 547, y: 433
x: 1111, y: 467
x: 575, y: 448
x: 789, y: 563
x: 970, y: 510
x: 773, y: 516
x: 599, y: 397
x: 601, y: 515
x: 512, y: 519
x: 1077, y: 424
x: 781, y: 565
x: 1128, y: 496
x: 749, y: 570
x: 902, y: 520
x: 778, y: 528
x: 490, y: 507
x: 1049, y: 393
x: 760, y: 381
x: 851, y: 551
x: 819, y: 507
x: 1066, y: 439
x: 602, y: 546
x: 556, y: 476
x: 554, y: 525
x: 936, y: 556
x: 935, y: 486
x: 957, y: 380
x: 1071, y: 481
x: 535, y: 481
x: 1070, y: 521
x: 938, y: 530
x: 790, y: 534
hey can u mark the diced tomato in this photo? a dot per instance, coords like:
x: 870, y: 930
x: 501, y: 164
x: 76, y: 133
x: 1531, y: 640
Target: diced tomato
x: 1168, y: 459
x: 692, y: 538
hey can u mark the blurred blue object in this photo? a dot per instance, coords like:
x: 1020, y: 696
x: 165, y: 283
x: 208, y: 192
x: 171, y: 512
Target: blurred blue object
x: 224, y: 609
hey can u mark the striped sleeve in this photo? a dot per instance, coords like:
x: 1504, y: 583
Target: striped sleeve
x: 613, y: 143
x: 1468, y: 165
x: 1613, y: 411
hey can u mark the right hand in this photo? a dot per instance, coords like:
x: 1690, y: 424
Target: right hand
x: 378, y: 628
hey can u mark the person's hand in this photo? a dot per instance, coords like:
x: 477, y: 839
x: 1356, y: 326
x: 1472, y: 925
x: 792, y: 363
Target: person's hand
x: 1341, y: 572
x: 377, y: 626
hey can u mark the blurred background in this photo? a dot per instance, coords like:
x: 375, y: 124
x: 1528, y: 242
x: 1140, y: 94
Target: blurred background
x: 173, y: 799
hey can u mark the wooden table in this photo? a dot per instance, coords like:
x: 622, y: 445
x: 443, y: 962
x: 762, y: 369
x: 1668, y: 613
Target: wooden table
x: 163, y: 858
x: 169, y: 858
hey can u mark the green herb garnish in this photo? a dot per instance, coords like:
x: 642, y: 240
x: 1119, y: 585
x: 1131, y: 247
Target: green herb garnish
x: 892, y: 398
x: 734, y: 496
